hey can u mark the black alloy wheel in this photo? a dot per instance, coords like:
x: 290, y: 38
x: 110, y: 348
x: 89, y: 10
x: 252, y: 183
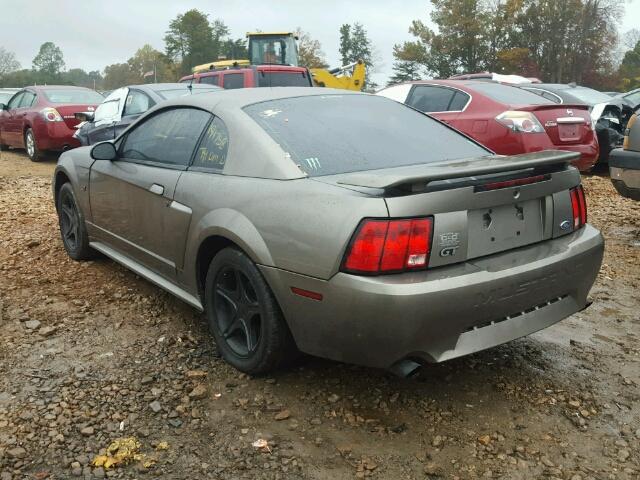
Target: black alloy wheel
x: 237, y: 311
x: 244, y: 317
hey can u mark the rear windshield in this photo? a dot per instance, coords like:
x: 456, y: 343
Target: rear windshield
x: 284, y: 79
x: 69, y: 95
x: 588, y: 95
x: 329, y: 134
x: 509, y: 95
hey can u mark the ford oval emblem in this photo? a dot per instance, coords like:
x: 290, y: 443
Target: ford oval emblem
x: 565, y: 225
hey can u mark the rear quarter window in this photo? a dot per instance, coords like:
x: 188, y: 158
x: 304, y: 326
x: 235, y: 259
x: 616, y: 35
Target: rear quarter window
x: 331, y: 134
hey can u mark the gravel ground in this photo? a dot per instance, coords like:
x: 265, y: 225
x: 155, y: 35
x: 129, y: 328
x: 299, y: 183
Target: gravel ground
x: 91, y: 354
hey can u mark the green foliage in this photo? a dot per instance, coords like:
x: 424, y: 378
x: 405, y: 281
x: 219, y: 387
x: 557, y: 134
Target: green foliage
x: 49, y: 63
x: 310, y: 52
x: 146, y: 59
x: 355, y: 45
x: 560, y: 41
x: 630, y: 69
x: 8, y: 62
x: 192, y: 40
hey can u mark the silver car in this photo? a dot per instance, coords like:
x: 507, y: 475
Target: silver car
x: 339, y: 224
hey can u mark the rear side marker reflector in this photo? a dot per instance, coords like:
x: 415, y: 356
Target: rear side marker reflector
x: 386, y: 246
x: 517, y: 182
x: 578, y: 207
x: 307, y: 293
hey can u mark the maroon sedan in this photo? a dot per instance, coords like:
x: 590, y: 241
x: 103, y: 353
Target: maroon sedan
x: 505, y: 119
x: 41, y: 119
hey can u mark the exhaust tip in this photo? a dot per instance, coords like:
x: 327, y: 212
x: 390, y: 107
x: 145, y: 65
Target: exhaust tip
x: 405, y: 368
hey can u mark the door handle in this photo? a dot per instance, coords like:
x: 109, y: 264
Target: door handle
x: 157, y: 189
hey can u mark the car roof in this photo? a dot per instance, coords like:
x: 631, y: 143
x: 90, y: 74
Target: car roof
x: 159, y: 87
x: 241, y: 97
x: 58, y: 87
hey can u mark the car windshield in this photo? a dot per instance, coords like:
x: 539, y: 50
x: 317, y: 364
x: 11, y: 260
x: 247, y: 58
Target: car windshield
x: 509, y: 95
x: 69, y: 95
x: 330, y: 134
x: 284, y: 79
x: 181, y: 92
x: 588, y: 95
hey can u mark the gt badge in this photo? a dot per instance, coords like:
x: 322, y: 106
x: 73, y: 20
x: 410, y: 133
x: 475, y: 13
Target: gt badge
x: 449, y: 244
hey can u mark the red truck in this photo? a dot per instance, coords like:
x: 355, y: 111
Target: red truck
x: 247, y: 76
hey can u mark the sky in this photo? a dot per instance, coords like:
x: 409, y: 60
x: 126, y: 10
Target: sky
x: 96, y: 33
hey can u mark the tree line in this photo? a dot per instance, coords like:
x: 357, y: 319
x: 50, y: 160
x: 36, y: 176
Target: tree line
x: 556, y: 41
x: 191, y: 39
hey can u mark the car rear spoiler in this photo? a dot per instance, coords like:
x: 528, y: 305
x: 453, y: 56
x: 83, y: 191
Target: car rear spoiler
x: 450, y: 169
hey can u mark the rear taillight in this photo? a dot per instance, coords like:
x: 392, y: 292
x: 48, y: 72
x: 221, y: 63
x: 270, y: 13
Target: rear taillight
x: 51, y: 115
x: 578, y: 207
x: 386, y: 246
x: 522, y: 122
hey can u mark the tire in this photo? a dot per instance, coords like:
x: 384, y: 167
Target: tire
x: 244, y: 317
x: 31, y: 146
x: 73, y: 230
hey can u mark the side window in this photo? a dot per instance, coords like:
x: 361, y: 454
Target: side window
x: 459, y: 101
x: 209, y: 79
x: 168, y: 137
x: 233, y: 80
x: 137, y: 103
x: 430, y: 99
x: 212, y: 152
x: 27, y: 100
x: 15, y: 101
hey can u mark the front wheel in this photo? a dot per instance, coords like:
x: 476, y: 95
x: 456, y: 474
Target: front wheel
x: 244, y: 317
x: 31, y: 146
x: 72, y: 227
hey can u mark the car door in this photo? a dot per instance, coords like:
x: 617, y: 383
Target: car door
x: 10, y: 122
x: 106, y: 116
x: 136, y: 104
x: 132, y: 207
x: 439, y: 101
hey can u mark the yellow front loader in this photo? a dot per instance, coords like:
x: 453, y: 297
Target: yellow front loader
x: 349, y: 77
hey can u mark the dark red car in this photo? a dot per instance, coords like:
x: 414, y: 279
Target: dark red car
x: 501, y: 118
x: 254, y: 76
x: 41, y: 119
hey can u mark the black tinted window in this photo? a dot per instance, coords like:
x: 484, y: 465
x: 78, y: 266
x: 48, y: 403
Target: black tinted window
x: 212, y: 152
x: 283, y: 79
x: 431, y: 99
x: 459, y: 101
x: 509, y: 95
x: 233, y: 80
x: 209, y: 79
x: 168, y: 137
x: 328, y: 134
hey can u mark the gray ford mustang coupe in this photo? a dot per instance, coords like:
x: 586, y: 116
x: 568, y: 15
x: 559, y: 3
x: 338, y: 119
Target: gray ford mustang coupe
x: 339, y: 224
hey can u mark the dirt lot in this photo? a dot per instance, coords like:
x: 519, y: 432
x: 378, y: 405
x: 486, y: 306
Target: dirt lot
x: 90, y: 353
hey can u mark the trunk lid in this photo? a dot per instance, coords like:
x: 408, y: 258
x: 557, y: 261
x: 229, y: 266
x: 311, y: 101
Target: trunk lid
x: 479, y: 206
x: 564, y: 124
x: 67, y: 112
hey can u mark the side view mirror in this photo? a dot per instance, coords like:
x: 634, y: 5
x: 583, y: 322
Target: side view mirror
x: 104, y: 151
x: 3, y: 106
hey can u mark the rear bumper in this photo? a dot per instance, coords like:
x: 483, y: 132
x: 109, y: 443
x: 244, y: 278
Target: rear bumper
x: 55, y: 136
x: 588, y: 155
x: 447, y: 312
x: 624, y: 169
